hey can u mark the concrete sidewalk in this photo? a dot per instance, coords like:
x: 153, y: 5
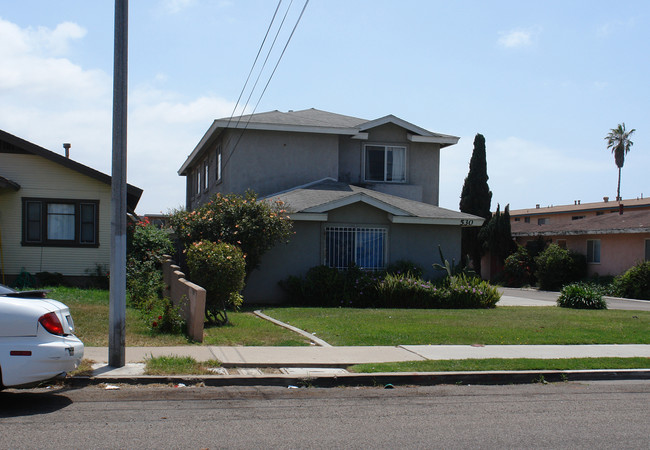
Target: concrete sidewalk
x: 345, y: 356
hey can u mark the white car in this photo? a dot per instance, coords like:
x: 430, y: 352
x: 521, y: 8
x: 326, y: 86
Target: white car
x: 37, y: 340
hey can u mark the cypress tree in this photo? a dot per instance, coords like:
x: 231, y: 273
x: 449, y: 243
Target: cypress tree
x: 475, y: 198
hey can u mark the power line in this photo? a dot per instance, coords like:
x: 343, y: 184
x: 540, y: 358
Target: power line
x: 250, y: 116
x: 259, y: 51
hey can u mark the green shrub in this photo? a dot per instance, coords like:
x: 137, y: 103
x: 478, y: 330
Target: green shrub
x: 471, y: 292
x: 144, y: 282
x: 557, y: 267
x: 252, y: 225
x: 634, y: 283
x: 145, y: 241
x: 581, y: 296
x: 220, y: 268
x: 406, y: 291
x: 329, y: 287
x: 518, y: 268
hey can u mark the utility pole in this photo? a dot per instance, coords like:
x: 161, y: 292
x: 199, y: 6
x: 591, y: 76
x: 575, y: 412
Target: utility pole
x: 117, y: 307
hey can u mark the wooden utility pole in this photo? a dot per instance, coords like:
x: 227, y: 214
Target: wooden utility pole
x: 117, y: 309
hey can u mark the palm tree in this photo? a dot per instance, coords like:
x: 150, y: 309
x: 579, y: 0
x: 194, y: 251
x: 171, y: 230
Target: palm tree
x: 619, y: 141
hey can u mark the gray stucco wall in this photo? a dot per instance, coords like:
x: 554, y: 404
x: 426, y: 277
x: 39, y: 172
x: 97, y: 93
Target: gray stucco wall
x: 270, y: 162
x: 416, y: 243
x: 294, y: 258
x: 423, y: 164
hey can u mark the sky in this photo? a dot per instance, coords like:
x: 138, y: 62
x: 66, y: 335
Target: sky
x: 544, y: 82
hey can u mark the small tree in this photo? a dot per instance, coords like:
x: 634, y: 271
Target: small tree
x: 475, y: 198
x: 252, y: 225
x: 496, y: 235
x: 220, y: 269
x: 557, y: 267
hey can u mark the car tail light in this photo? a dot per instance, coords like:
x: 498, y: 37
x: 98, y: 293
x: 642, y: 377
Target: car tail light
x: 51, y: 323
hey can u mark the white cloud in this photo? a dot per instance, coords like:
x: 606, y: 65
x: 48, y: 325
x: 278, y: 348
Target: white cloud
x: 523, y: 173
x: 518, y: 38
x: 49, y: 100
x: 176, y: 6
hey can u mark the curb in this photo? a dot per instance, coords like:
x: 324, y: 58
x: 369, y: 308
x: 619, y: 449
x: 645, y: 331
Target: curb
x: 374, y: 379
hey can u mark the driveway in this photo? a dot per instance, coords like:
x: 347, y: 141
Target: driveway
x: 535, y: 297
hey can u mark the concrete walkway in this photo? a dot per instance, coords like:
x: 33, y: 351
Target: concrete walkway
x: 345, y: 356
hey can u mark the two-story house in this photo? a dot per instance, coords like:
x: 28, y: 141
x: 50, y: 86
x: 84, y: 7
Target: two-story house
x: 359, y: 191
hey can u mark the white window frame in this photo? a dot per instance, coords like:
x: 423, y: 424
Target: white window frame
x: 352, y: 235
x: 386, y: 148
x: 595, y: 251
x: 218, y: 168
x: 206, y: 174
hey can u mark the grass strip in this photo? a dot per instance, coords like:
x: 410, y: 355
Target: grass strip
x: 178, y: 365
x: 474, y: 365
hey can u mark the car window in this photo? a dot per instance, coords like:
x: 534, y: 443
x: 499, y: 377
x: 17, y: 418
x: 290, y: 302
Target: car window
x: 5, y: 290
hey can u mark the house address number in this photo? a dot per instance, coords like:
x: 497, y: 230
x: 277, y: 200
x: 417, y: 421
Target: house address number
x: 466, y: 222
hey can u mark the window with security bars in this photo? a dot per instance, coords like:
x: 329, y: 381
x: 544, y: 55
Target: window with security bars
x: 363, y: 247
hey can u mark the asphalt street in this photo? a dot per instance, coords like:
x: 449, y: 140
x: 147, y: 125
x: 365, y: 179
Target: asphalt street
x: 557, y: 415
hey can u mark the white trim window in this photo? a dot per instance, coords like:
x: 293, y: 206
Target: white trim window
x: 206, y: 173
x: 384, y: 163
x: 593, y: 251
x: 218, y: 163
x: 364, y: 247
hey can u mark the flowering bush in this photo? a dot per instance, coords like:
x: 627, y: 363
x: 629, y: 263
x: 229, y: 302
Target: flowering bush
x: 254, y: 226
x: 162, y: 316
x: 220, y: 268
x: 471, y: 292
x: 147, y: 242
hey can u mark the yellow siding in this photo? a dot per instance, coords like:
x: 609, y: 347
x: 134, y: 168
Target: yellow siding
x: 41, y: 178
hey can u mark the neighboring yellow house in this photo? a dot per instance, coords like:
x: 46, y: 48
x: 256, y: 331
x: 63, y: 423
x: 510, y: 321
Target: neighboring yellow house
x: 54, y: 213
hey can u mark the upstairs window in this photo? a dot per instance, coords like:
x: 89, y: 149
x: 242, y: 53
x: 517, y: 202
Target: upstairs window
x: 359, y: 246
x: 385, y: 163
x: 206, y: 168
x: 593, y: 250
x: 60, y: 223
x: 218, y: 164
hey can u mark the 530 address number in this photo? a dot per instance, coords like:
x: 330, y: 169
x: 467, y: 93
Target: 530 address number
x: 466, y: 222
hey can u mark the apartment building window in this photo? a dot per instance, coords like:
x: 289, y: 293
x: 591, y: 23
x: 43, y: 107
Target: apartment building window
x: 365, y: 247
x: 526, y: 219
x: 218, y: 164
x: 206, y: 181
x: 198, y: 181
x: 60, y: 222
x: 385, y: 163
x: 577, y: 217
x: 593, y: 250
x: 543, y: 221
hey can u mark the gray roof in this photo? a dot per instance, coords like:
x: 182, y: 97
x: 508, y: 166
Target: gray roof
x: 310, y: 121
x: 307, y: 117
x: 310, y: 201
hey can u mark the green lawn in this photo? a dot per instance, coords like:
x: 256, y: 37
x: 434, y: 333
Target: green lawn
x: 502, y: 325
x: 340, y: 326
x: 89, y: 310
